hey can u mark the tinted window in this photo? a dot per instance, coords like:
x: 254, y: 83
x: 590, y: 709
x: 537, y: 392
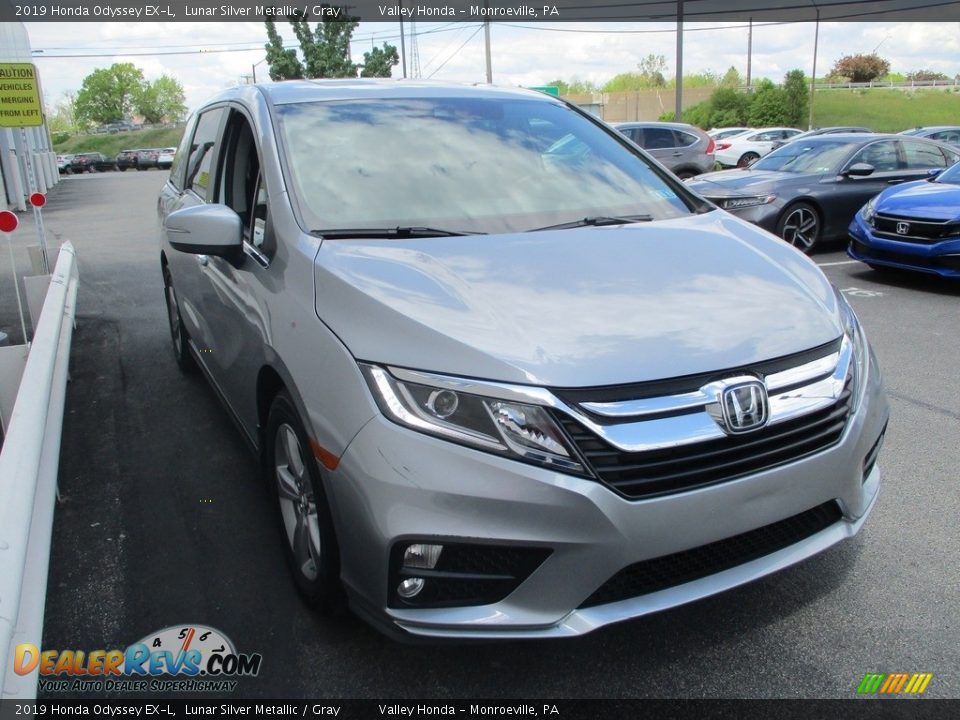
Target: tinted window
x: 658, y: 138
x: 881, y: 155
x: 950, y: 176
x: 685, y: 139
x: 463, y: 164
x: 920, y: 156
x: 200, y: 163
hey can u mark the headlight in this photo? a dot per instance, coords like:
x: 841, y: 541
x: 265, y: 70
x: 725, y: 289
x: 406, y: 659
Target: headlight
x: 519, y: 430
x: 869, y: 212
x: 854, y: 332
x: 738, y: 203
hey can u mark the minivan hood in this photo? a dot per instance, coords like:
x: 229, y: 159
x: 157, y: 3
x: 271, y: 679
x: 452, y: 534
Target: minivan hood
x: 577, y: 308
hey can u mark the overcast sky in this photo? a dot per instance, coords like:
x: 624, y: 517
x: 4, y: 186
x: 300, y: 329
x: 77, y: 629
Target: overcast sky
x: 454, y: 51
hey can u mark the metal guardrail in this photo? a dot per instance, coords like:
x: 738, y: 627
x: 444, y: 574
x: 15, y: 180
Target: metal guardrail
x: 29, y: 463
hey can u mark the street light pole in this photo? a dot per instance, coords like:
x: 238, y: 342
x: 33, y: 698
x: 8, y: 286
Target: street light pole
x: 813, y: 78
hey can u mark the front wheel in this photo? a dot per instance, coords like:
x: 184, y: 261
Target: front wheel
x: 800, y: 226
x: 306, y: 523
x: 178, y: 333
x: 747, y: 158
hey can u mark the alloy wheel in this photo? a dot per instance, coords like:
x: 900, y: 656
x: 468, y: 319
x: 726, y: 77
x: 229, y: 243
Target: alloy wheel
x: 801, y: 228
x: 298, y: 507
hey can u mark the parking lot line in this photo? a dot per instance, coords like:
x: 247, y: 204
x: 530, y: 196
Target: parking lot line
x: 839, y: 262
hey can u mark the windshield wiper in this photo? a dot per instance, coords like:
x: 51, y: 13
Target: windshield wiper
x: 400, y: 231
x: 596, y: 220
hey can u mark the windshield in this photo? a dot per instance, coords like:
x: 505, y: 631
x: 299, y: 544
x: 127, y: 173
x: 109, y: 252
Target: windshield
x: 463, y: 164
x: 816, y: 155
x: 950, y: 176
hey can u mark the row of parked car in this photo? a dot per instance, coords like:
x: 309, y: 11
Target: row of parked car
x: 828, y: 183
x: 160, y: 158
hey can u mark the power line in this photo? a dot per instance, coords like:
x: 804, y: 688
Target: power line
x: 454, y: 53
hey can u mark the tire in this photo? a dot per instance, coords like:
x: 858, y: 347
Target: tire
x: 121, y: 169
x: 685, y: 174
x: 800, y: 226
x: 747, y: 158
x: 178, y: 333
x: 306, y: 524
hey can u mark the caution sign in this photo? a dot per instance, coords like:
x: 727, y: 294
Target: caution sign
x: 19, y: 96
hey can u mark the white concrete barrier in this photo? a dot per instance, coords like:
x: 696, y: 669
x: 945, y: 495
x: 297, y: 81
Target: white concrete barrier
x: 29, y: 463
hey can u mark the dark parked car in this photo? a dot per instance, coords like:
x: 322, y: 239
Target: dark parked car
x: 686, y: 150
x: 90, y: 162
x: 127, y: 159
x: 914, y: 226
x: 811, y: 189
x: 821, y: 131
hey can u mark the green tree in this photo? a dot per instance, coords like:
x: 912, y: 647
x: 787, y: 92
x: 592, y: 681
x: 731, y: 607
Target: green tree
x: 652, y: 69
x: 731, y: 78
x: 768, y: 106
x: 282, y: 62
x: 379, y: 62
x: 324, y: 50
x: 108, y: 94
x: 161, y: 99
x: 860, y: 68
x: 62, y: 118
x: 728, y: 108
x: 797, y: 93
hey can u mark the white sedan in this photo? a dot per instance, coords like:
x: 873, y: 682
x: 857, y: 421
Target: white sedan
x: 741, y: 150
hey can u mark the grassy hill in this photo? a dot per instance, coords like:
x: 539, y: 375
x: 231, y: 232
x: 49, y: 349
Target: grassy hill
x: 886, y: 110
x: 111, y: 144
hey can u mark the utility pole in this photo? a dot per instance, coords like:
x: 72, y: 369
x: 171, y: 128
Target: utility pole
x: 813, y: 77
x: 486, y: 42
x: 749, y: 54
x: 678, y: 110
x: 403, y: 44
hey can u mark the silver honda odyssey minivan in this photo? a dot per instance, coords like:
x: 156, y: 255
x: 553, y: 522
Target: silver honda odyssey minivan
x: 507, y: 375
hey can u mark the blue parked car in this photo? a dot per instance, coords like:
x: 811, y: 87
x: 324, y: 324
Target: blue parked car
x: 914, y: 226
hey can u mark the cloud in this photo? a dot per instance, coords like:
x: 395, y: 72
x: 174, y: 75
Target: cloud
x: 521, y: 56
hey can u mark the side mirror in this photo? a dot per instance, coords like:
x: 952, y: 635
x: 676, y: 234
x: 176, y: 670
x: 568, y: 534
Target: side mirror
x: 933, y: 172
x: 205, y: 230
x: 859, y: 170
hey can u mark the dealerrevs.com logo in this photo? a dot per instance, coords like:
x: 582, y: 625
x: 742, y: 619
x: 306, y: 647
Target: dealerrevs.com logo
x: 180, y: 658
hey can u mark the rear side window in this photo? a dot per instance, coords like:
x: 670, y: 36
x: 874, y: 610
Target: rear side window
x: 658, y: 138
x: 200, y: 163
x: 685, y: 139
x: 920, y: 156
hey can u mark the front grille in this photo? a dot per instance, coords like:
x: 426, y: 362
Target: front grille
x: 923, y: 232
x: 944, y: 262
x: 658, y: 472
x: 668, y: 571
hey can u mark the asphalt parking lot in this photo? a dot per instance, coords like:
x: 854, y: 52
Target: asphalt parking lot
x: 164, y: 521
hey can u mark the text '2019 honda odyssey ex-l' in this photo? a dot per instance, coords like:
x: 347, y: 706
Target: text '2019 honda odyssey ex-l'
x: 507, y: 375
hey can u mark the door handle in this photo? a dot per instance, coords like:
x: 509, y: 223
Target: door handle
x: 203, y: 260
x: 894, y: 182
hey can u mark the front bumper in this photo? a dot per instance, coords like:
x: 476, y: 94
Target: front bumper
x: 942, y: 258
x: 394, y: 484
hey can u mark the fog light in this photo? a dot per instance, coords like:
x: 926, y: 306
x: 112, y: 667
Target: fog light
x: 421, y: 555
x: 410, y: 587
